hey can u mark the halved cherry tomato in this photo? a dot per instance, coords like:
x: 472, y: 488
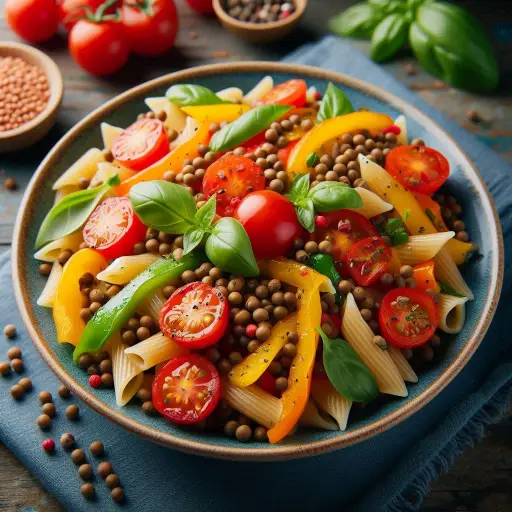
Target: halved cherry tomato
x: 284, y: 153
x: 424, y: 276
x: 267, y: 382
x: 408, y: 317
x: 232, y: 177
x: 187, y: 389
x: 418, y: 168
x: 195, y: 316
x: 270, y: 221
x: 292, y: 92
x: 113, y: 228
x: 141, y: 144
x: 255, y: 142
x: 368, y: 259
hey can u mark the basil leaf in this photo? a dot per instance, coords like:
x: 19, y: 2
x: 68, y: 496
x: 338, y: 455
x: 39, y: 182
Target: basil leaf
x: 205, y: 215
x: 229, y: 248
x: 189, y: 95
x: 192, y: 238
x: 312, y: 160
x: 334, y: 103
x: 246, y: 126
x: 395, y: 229
x: 333, y: 195
x: 448, y: 290
x: 357, y: 21
x: 163, y: 206
x: 389, y: 36
x: 347, y: 373
x: 299, y: 188
x: 306, y: 213
x: 389, y: 6
x: 72, y: 212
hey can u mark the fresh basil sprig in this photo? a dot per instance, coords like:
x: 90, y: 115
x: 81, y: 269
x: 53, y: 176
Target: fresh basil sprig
x: 347, y: 373
x: 71, y: 212
x: 202, y: 225
x: 357, y: 21
x: 312, y: 160
x: 246, y: 126
x: 389, y: 36
x: 448, y: 290
x: 188, y: 95
x: 395, y: 229
x: 334, y: 103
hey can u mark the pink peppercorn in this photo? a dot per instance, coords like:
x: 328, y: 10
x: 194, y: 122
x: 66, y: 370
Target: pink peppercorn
x: 392, y: 129
x: 284, y: 15
x: 250, y: 330
x: 48, y: 445
x: 95, y: 381
x: 320, y: 221
x: 318, y: 95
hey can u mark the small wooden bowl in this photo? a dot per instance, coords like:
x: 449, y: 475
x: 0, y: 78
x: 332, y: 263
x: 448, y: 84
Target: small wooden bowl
x: 28, y: 133
x: 260, y: 32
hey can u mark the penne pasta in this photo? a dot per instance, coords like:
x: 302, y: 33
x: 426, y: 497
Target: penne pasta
x: 64, y: 191
x: 153, y: 351
x: 85, y: 167
x: 259, y: 90
x: 152, y: 306
x: 108, y: 169
x: 50, y: 252
x: 128, y: 376
x: 50, y: 289
x: 373, y: 205
x: 402, y: 137
x: 190, y: 128
x: 446, y: 270
x: 331, y: 402
x: 401, y: 363
x: 452, y: 313
x: 174, y: 118
x: 122, y: 270
x: 315, y: 418
x: 311, y: 94
x: 255, y: 403
x: 108, y: 134
x: 421, y: 248
x: 233, y: 94
x: 360, y: 336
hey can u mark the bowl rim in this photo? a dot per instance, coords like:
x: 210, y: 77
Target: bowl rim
x: 290, y: 451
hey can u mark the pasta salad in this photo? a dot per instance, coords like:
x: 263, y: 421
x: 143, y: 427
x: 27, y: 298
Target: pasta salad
x: 251, y: 263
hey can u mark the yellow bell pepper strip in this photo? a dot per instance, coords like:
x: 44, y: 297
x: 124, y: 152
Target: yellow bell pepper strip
x: 329, y: 130
x: 395, y: 263
x: 250, y: 369
x: 424, y: 276
x: 173, y: 161
x: 68, y: 299
x: 216, y: 113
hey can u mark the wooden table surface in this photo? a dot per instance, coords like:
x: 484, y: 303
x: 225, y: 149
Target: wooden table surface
x: 481, y: 480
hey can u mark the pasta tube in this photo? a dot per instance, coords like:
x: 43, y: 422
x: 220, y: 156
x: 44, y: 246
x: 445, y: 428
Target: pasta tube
x: 47, y: 297
x: 452, y: 313
x: 174, y: 119
x: 122, y: 270
x: 259, y: 90
x: 313, y: 417
x: 128, y: 376
x: 50, y: 252
x: 84, y: 167
x: 234, y: 94
x: 373, y: 205
x: 402, y: 137
x: 401, y: 363
x: 331, y: 402
x: 152, y: 306
x: 109, y: 133
x: 154, y: 350
x: 421, y: 248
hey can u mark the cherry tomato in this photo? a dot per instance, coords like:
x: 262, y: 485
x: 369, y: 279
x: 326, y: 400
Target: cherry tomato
x: 292, y: 92
x: 33, y: 20
x: 113, y: 228
x: 195, y: 316
x: 141, y: 144
x: 418, y: 168
x: 232, y: 177
x: 187, y: 389
x: 201, y: 6
x: 255, y: 142
x: 151, y: 31
x: 368, y: 259
x: 72, y: 10
x: 408, y: 317
x: 284, y: 153
x: 270, y: 221
x: 99, y: 48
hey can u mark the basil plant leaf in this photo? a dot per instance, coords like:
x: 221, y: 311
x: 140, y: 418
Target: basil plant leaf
x: 357, y: 21
x: 345, y: 370
x: 312, y: 160
x: 389, y: 36
x: 229, y: 248
x: 164, y: 206
x: 334, y: 103
x: 306, y: 213
x: 71, y: 212
x: 299, y: 188
x: 205, y: 215
x: 246, y: 126
x: 333, y: 195
x: 190, y: 95
x: 192, y: 238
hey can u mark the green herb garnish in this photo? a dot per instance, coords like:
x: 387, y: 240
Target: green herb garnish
x: 191, y: 95
x: 312, y: 160
x: 448, y: 290
x: 334, y: 103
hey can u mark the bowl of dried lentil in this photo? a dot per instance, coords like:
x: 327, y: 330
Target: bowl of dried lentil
x: 31, y: 89
x: 441, y: 364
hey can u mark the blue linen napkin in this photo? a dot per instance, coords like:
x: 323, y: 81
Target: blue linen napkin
x: 389, y: 473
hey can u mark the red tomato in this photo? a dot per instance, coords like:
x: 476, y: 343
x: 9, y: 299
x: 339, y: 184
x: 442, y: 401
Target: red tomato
x: 72, y: 10
x: 232, y: 177
x: 408, y: 317
x: 99, y: 48
x: 151, y: 32
x: 33, y: 20
x: 187, y: 389
x: 270, y: 221
x: 418, y: 168
x: 267, y: 382
x: 284, y: 154
x: 141, y: 144
x: 255, y: 142
x: 201, y: 6
x: 195, y: 316
x: 292, y: 92
x: 113, y: 228
x: 368, y: 259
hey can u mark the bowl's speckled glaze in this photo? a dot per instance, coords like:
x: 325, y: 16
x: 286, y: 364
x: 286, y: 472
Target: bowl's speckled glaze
x: 483, y: 276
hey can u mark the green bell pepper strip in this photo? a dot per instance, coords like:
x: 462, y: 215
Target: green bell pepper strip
x: 110, y: 318
x: 324, y: 264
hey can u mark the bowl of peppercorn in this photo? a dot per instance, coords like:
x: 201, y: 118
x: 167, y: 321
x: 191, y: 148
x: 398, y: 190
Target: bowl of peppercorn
x: 259, y: 21
x: 31, y: 89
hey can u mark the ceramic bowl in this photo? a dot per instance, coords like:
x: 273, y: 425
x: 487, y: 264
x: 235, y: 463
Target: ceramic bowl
x: 484, y: 277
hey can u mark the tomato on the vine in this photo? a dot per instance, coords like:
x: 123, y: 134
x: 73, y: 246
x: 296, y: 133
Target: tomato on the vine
x: 187, y: 389
x: 292, y: 92
x: 368, y: 259
x: 33, y: 20
x: 73, y: 10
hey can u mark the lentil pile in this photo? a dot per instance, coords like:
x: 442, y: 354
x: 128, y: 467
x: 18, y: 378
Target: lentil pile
x: 259, y: 11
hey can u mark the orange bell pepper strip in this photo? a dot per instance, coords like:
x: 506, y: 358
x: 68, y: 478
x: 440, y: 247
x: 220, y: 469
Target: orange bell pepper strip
x: 68, y: 299
x: 329, y: 130
x: 424, y: 275
x: 172, y: 161
x: 216, y: 113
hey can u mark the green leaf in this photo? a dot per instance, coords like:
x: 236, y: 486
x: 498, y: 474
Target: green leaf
x: 190, y: 95
x: 334, y: 103
x: 389, y: 6
x: 346, y: 371
x: 324, y: 264
x: 312, y: 160
x: 205, y: 215
x: 299, y: 188
x: 164, y: 206
x: 229, y: 248
x: 72, y: 212
x: 389, y: 36
x: 306, y: 213
x: 192, y: 238
x: 357, y: 21
x: 448, y: 290
x: 333, y: 195
x: 246, y: 126
x: 395, y: 229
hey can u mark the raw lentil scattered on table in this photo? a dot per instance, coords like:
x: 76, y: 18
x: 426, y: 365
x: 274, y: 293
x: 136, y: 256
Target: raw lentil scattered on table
x: 104, y: 469
x: 72, y: 412
x: 17, y: 392
x: 118, y: 494
x: 45, y: 397
x: 10, y: 184
x: 49, y: 409
x: 10, y: 331
x: 67, y: 441
x: 78, y: 456
x: 112, y: 481
x: 5, y: 368
x: 64, y: 392
x: 88, y: 491
x: 259, y: 11
x: 14, y: 353
x: 26, y: 384
x: 97, y: 448
x: 86, y: 472
x: 44, y: 421
x: 17, y: 365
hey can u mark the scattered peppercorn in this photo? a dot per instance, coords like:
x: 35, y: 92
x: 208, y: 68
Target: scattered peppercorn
x: 17, y: 365
x: 67, y: 441
x: 86, y: 472
x: 97, y: 448
x: 5, y: 368
x: 64, y: 392
x: 117, y: 494
x: 112, y: 481
x: 104, y: 469
x: 17, y: 392
x: 72, y: 412
x: 88, y: 491
x: 10, y: 331
x: 14, y: 353
x: 44, y: 421
x: 45, y: 397
x: 78, y: 456
x: 49, y: 409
